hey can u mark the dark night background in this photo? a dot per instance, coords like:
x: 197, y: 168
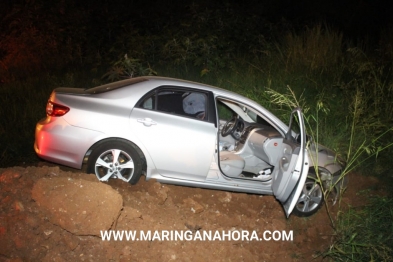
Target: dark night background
x: 355, y: 17
x: 88, y: 29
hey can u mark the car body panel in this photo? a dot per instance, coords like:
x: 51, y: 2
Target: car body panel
x: 58, y: 141
x: 175, y: 148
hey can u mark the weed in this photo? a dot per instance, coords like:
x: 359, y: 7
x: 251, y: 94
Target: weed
x: 366, y: 234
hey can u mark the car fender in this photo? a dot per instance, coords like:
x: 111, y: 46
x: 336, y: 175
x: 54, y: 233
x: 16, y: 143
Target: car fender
x: 130, y: 138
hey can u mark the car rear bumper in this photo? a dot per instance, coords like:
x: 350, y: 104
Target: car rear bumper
x: 59, y: 142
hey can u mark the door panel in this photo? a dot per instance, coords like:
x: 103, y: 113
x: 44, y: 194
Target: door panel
x: 180, y: 147
x: 291, y: 172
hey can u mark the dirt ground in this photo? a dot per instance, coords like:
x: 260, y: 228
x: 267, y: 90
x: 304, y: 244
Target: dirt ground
x: 54, y: 214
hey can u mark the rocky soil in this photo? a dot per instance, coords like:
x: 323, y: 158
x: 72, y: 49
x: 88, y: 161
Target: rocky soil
x: 51, y: 214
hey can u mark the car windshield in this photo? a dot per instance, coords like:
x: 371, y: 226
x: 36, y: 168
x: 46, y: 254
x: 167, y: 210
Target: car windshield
x: 227, y: 108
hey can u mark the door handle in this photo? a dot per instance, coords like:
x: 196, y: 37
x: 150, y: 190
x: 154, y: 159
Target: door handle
x: 146, y: 121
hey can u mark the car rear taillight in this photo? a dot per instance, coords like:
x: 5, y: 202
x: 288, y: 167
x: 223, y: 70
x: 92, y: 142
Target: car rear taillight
x: 53, y: 109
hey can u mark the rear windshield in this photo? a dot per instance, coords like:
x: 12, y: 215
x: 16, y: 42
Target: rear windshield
x: 114, y: 85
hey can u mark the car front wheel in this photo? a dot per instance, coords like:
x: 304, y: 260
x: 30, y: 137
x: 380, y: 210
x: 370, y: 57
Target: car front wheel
x: 115, y: 159
x: 311, y: 198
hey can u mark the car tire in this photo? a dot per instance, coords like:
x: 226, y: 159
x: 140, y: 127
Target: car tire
x: 127, y: 165
x: 311, y: 198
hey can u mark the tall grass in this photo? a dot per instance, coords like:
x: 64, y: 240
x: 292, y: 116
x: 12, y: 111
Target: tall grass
x: 365, y: 234
x: 317, y: 49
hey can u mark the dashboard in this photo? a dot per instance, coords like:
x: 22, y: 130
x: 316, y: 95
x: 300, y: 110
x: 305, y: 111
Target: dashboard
x: 262, y: 141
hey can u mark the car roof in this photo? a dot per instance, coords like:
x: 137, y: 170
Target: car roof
x: 167, y: 81
x: 152, y: 79
x: 152, y: 82
x: 158, y: 81
x: 114, y: 85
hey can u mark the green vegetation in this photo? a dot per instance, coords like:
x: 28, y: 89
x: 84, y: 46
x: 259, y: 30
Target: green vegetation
x: 345, y: 89
x: 365, y: 234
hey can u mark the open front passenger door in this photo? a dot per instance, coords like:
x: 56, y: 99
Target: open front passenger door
x: 292, y: 169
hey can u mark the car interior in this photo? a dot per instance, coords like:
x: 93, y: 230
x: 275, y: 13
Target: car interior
x: 249, y: 147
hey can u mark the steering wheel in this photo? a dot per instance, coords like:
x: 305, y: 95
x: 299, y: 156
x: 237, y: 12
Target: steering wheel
x: 229, y: 127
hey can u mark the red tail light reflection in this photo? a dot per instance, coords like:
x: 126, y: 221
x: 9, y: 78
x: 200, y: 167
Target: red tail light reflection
x: 53, y: 109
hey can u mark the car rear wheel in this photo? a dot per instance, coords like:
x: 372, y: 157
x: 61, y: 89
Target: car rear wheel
x: 115, y: 159
x: 311, y: 198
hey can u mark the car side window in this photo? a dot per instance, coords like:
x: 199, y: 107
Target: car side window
x: 177, y: 102
x: 148, y: 103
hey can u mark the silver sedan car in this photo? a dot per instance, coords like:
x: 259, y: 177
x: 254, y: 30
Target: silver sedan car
x: 185, y: 133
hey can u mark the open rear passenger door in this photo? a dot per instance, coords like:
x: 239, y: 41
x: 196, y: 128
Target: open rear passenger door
x: 292, y: 169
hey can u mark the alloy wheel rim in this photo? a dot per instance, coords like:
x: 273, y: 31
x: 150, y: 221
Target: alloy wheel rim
x: 310, y: 198
x: 114, y: 163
